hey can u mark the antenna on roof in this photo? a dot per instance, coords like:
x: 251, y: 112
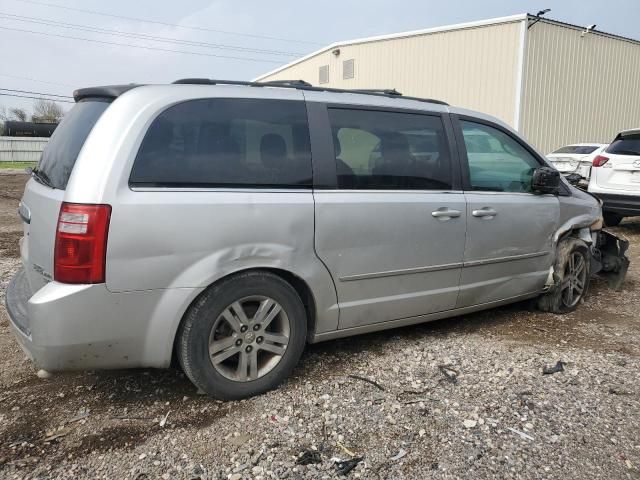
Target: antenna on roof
x: 538, y: 17
x: 587, y: 30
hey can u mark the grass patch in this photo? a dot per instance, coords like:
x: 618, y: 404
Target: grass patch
x: 17, y: 164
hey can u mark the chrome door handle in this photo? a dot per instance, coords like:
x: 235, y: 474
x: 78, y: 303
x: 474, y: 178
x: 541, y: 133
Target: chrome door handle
x: 484, y: 212
x: 445, y: 213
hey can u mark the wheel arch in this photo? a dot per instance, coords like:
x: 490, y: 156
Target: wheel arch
x: 301, y: 287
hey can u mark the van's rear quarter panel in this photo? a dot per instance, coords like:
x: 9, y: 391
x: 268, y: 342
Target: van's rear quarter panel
x: 189, y: 239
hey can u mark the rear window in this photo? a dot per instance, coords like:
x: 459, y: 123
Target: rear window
x: 578, y: 149
x: 226, y: 142
x: 627, y: 145
x: 61, y: 152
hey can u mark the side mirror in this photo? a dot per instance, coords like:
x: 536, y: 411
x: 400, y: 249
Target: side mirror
x: 545, y: 180
x: 573, y: 178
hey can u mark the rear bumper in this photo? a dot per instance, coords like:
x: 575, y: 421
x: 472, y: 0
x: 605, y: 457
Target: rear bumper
x: 625, y: 205
x: 80, y: 327
x: 583, y: 169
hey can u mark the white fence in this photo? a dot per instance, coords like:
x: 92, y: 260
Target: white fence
x: 21, y: 149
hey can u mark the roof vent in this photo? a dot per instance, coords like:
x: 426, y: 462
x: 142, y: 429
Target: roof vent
x: 348, y: 70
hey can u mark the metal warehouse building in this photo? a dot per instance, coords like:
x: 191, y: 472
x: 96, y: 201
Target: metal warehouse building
x: 555, y: 83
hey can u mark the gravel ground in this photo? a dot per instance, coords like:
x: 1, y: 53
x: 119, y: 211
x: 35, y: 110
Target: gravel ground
x: 459, y: 398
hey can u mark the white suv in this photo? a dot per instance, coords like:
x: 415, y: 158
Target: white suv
x: 615, y: 177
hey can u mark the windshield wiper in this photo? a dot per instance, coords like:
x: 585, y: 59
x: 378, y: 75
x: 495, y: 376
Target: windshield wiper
x: 42, y: 177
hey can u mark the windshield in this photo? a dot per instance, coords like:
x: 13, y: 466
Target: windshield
x: 60, y: 154
x: 577, y: 149
x: 628, y: 145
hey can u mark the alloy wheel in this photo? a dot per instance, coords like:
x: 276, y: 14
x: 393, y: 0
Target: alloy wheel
x: 249, y: 338
x: 575, y: 277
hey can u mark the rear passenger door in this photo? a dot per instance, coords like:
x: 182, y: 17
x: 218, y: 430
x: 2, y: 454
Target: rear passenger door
x: 509, y: 247
x: 390, y: 224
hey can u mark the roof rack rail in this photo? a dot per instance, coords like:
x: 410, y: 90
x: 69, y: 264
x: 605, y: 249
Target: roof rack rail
x: 299, y: 83
x: 385, y: 91
x: 302, y: 85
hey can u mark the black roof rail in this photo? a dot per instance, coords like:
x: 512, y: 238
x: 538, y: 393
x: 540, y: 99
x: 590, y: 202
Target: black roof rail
x: 385, y: 91
x: 210, y: 81
x: 284, y: 83
x: 302, y: 85
x: 428, y: 100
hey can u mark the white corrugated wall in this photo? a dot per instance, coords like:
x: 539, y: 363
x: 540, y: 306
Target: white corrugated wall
x: 578, y: 89
x: 475, y: 67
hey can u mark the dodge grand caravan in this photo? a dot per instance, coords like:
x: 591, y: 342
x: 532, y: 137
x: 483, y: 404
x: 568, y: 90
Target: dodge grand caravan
x: 224, y: 225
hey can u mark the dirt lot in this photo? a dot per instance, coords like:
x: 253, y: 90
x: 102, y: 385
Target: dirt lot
x: 460, y: 398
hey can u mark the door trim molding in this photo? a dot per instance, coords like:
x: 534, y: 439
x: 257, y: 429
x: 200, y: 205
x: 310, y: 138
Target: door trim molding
x: 524, y: 256
x: 404, y: 271
x: 437, y: 268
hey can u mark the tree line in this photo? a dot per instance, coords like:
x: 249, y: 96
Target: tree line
x: 44, y: 111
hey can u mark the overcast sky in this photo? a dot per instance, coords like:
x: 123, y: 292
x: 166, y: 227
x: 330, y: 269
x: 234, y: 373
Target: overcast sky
x: 263, y: 34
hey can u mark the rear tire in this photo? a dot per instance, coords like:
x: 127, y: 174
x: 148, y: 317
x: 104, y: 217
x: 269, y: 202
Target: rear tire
x: 243, y: 336
x: 572, y: 271
x: 612, y: 219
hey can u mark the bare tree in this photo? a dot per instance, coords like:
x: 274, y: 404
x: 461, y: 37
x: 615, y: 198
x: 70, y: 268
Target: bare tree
x: 19, y: 114
x: 46, y: 111
x: 3, y: 118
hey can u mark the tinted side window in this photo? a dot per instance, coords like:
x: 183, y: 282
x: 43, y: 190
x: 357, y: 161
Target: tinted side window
x: 226, y: 142
x: 389, y: 150
x: 577, y: 149
x: 497, y: 162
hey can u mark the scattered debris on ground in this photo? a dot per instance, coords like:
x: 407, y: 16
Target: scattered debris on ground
x: 558, y: 367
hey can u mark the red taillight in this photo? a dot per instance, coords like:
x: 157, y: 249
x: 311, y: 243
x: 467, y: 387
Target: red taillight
x: 81, y: 243
x: 600, y: 160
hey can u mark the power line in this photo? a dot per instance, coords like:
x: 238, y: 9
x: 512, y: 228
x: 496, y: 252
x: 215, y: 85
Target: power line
x: 18, y: 77
x: 36, y: 93
x: 155, y: 38
x: 35, y: 98
x: 104, y: 42
x: 156, y: 22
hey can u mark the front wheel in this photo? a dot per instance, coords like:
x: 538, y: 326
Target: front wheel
x: 572, y: 270
x: 243, y: 336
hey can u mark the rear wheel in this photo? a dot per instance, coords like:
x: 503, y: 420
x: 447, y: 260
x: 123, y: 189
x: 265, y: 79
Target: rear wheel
x: 243, y: 336
x: 573, y: 271
x: 611, y: 219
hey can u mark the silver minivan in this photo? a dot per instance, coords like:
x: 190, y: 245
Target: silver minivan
x: 225, y: 225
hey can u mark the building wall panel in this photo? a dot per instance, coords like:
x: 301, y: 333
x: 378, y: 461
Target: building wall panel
x: 578, y: 88
x: 473, y: 68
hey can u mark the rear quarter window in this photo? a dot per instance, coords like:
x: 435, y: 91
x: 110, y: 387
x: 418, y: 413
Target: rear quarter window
x: 577, y: 149
x: 627, y: 145
x: 226, y: 142
x: 60, y: 154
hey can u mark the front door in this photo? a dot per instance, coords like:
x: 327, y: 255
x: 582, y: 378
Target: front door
x: 509, y: 246
x: 392, y: 232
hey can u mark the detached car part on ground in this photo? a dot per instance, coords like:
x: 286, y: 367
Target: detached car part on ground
x: 223, y: 226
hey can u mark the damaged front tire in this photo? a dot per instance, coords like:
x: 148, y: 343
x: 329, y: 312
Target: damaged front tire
x: 572, y: 272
